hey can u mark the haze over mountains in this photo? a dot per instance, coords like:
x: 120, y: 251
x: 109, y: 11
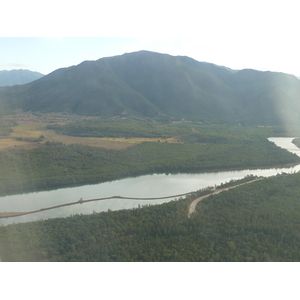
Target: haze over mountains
x: 149, y: 84
x: 14, y: 77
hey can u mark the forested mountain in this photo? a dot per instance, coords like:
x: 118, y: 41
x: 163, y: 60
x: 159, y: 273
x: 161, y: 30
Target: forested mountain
x: 14, y: 77
x: 149, y: 84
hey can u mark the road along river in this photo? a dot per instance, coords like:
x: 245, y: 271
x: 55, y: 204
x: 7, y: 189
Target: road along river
x: 154, y: 186
x: 192, y: 206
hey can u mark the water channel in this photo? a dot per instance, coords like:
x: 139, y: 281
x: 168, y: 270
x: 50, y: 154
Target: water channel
x: 156, y: 185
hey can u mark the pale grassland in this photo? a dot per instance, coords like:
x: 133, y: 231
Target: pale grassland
x: 8, y: 143
x: 34, y: 126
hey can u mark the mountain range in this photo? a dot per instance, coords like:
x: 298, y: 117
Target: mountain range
x: 150, y: 84
x: 14, y: 77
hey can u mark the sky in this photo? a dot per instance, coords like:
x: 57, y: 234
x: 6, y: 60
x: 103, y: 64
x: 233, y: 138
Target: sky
x: 261, y: 35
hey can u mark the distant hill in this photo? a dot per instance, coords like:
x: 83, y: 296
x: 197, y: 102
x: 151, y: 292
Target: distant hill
x: 14, y: 77
x: 149, y: 84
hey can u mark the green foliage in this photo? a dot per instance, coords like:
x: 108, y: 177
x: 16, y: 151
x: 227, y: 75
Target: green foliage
x: 32, y: 140
x: 6, y: 127
x: 252, y: 222
x: 297, y: 142
x: 190, y: 132
x: 117, y: 128
x: 233, y: 182
x: 286, y: 131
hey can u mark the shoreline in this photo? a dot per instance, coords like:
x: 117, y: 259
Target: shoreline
x: 10, y: 214
x: 50, y: 188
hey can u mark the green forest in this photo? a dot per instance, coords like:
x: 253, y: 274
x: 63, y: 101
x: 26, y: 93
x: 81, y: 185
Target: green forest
x: 258, y: 222
x: 297, y: 142
x: 185, y: 131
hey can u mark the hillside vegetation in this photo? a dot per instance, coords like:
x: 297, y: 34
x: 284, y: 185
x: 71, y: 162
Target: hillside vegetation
x: 154, y: 85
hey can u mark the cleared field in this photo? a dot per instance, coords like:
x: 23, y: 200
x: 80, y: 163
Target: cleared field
x: 51, y: 136
x: 8, y: 143
x: 32, y: 127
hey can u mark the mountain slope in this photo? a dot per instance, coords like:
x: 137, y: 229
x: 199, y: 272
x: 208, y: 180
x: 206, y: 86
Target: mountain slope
x: 267, y: 98
x: 85, y: 89
x: 14, y: 77
x: 150, y: 84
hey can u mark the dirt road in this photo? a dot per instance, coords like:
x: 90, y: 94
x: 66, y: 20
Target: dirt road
x: 192, y: 206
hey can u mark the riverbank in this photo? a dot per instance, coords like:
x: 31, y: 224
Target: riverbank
x: 135, y: 175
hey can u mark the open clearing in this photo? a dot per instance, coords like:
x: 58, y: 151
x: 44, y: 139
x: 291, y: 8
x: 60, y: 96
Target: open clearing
x: 33, y: 126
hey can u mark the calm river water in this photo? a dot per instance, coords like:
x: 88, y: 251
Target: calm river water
x: 156, y: 185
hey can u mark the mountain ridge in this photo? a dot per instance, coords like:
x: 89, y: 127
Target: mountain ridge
x: 17, y: 77
x: 151, y: 84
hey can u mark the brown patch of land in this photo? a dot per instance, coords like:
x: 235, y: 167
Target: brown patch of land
x: 32, y: 126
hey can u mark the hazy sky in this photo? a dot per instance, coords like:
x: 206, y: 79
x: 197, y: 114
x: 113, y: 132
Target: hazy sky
x: 262, y: 35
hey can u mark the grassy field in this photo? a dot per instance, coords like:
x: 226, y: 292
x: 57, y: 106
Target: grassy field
x: 32, y: 126
x: 34, y: 129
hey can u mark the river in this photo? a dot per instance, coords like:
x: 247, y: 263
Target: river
x: 156, y: 185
